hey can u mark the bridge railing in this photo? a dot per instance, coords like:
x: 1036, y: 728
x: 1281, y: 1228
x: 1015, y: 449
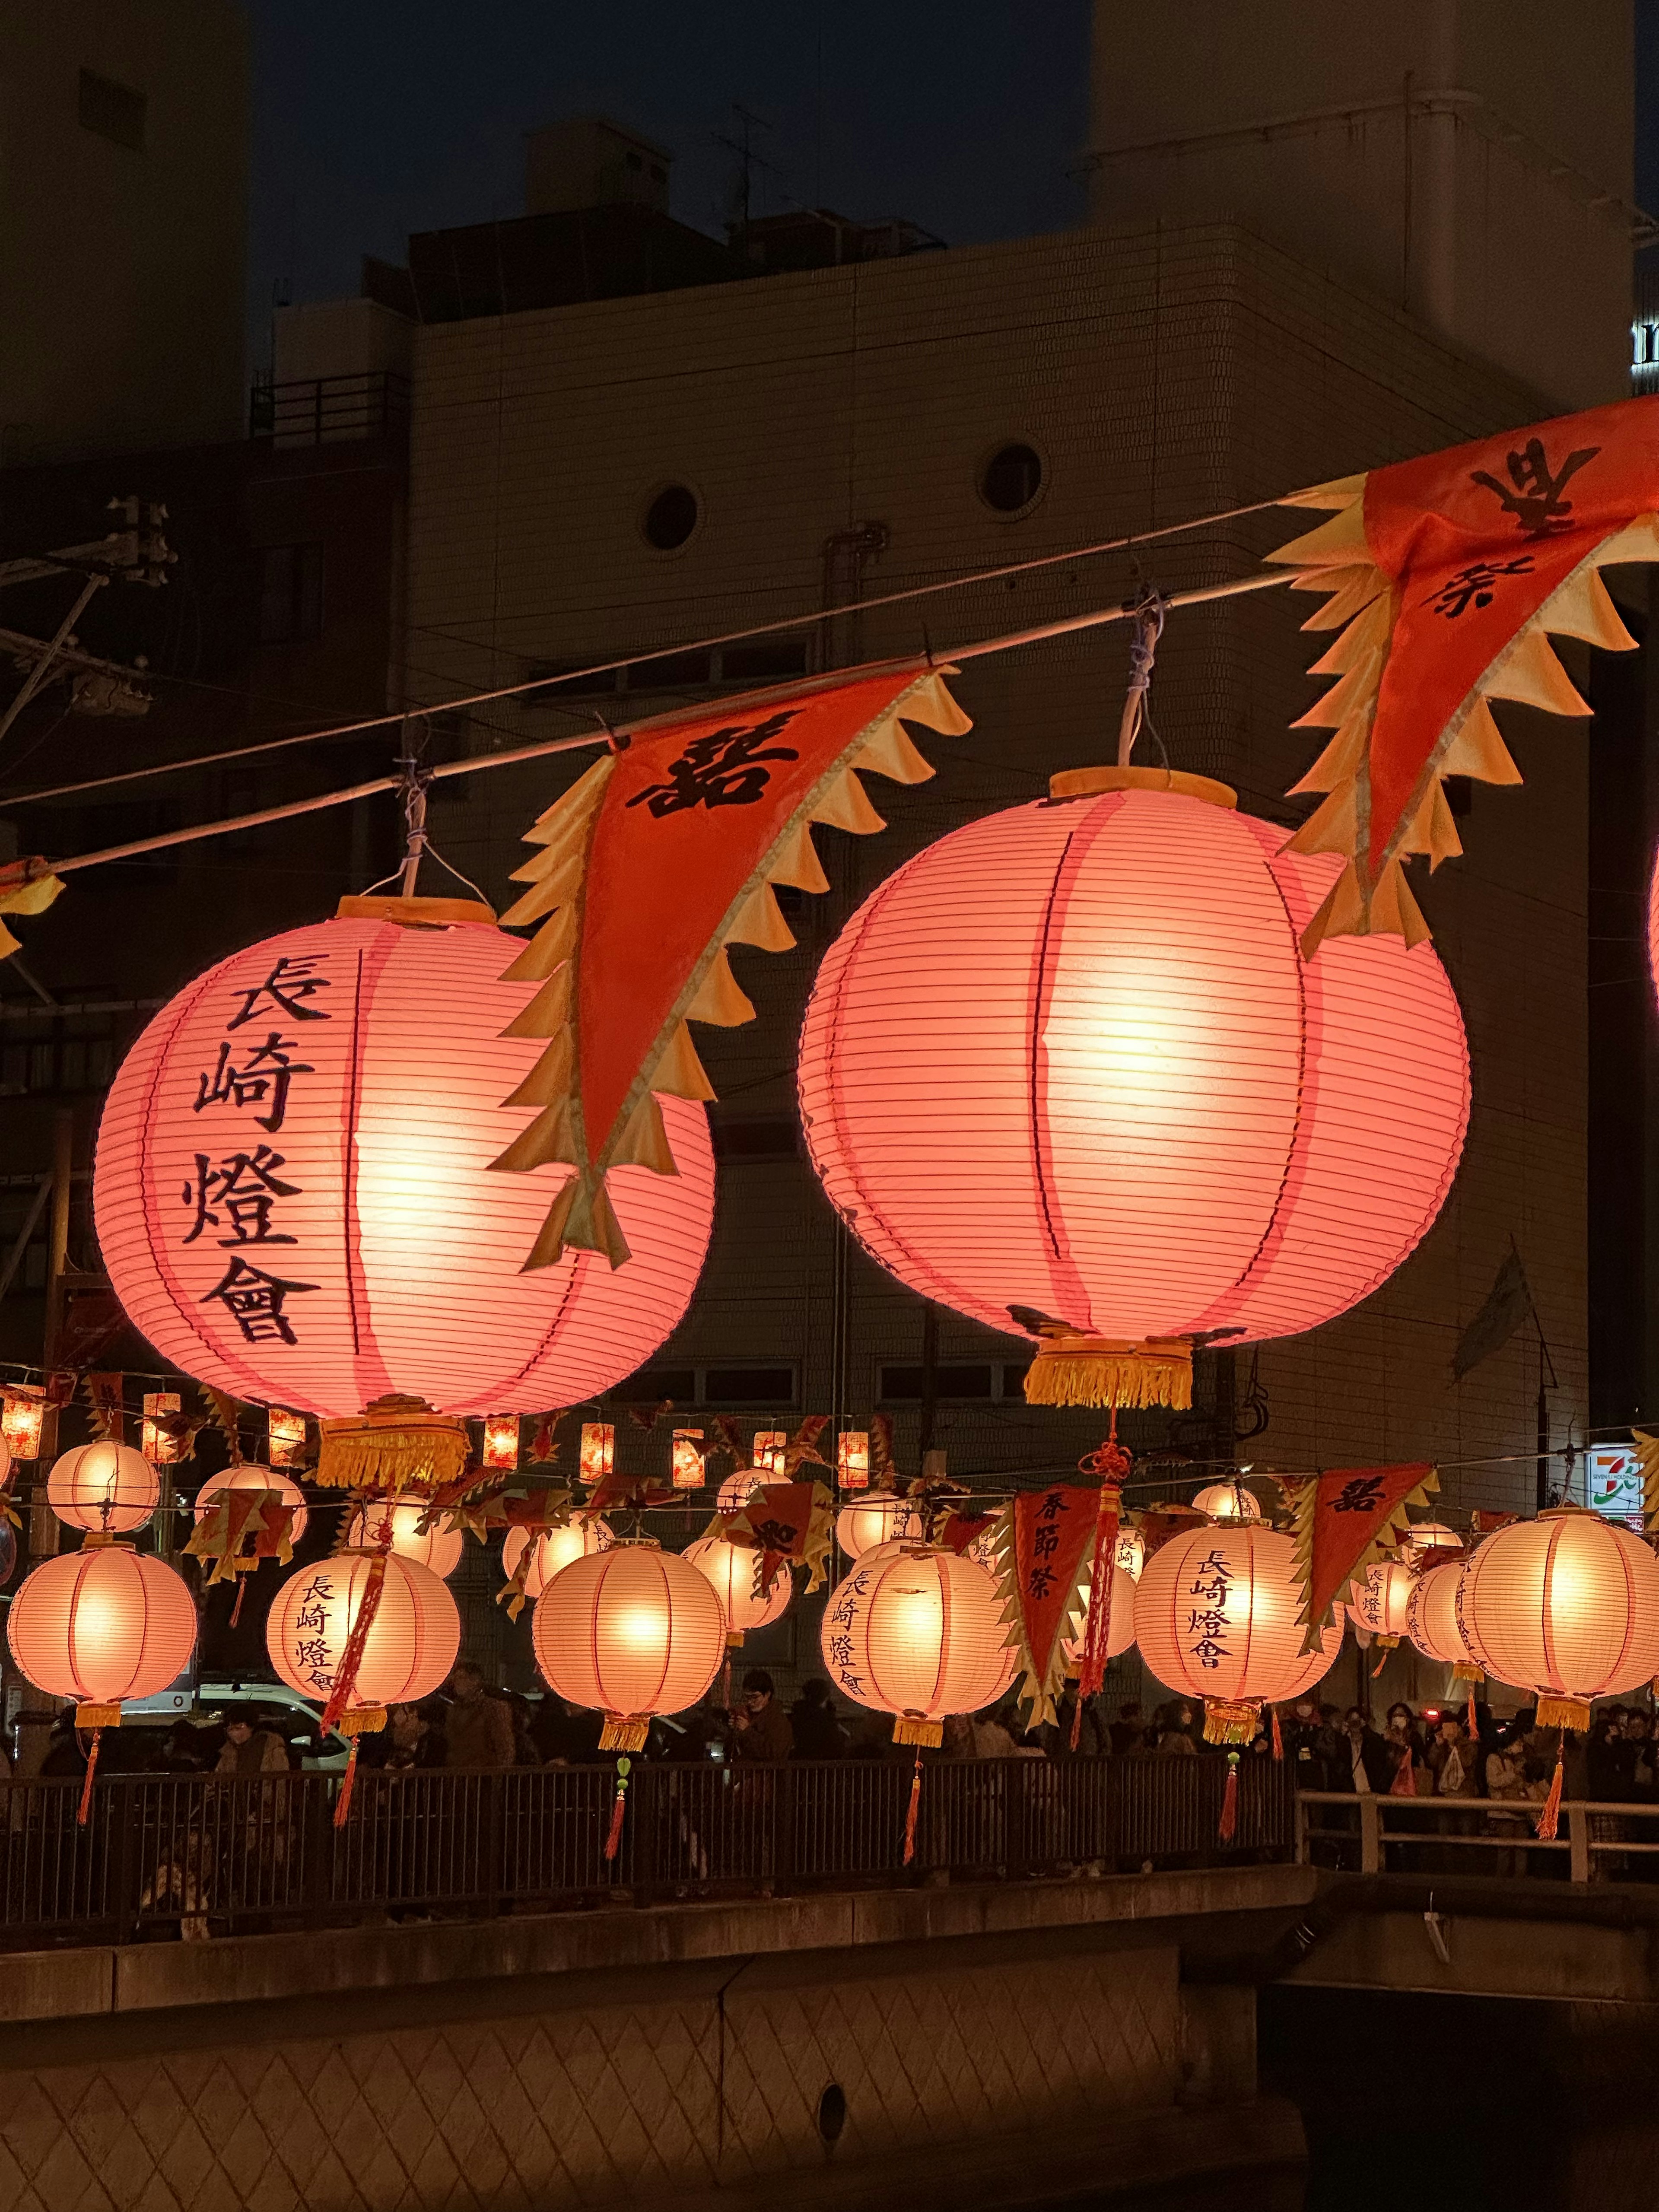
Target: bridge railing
x: 200, y: 1854
x: 1371, y: 1834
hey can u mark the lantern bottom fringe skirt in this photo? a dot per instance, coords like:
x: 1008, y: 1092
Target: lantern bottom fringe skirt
x: 624, y: 1732
x: 912, y: 1727
x: 1564, y: 1713
x: 1092, y: 1370
x: 1225, y: 1721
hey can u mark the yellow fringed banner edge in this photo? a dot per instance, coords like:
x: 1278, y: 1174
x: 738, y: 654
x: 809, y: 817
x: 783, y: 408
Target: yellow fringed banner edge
x: 624, y: 1732
x: 1564, y: 1713
x: 1092, y: 1371
x: 1226, y: 1722
x: 1387, y: 1535
x: 396, y: 1446
x: 910, y: 1728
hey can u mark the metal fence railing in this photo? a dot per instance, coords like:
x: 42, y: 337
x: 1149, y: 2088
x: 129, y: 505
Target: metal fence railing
x: 326, y: 411
x: 204, y: 1854
x: 1593, y: 1842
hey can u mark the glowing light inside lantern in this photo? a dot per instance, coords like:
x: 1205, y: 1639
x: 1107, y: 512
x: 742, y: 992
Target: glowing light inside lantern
x: 852, y: 1459
x: 769, y: 1451
x: 285, y: 1437
x: 689, y: 1468
x: 106, y: 1488
x: 500, y: 1442
x: 22, y: 1422
x: 599, y: 1451
x: 1229, y: 1502
x: 382, y: 1523
x: 555, y: 1549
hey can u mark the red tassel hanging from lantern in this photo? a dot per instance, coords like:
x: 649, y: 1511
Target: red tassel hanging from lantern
x: 1226, y: 1827
x: 1279, y: 1740
x: 82, y: 1816
x: 613, y: 1840
x: 1549, y: 1817
x: 914, y: 1808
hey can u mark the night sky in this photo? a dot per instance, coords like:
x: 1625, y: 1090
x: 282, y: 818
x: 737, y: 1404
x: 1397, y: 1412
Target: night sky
x: 373, y: 119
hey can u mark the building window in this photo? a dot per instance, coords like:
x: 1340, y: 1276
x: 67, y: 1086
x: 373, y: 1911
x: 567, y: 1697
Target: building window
x: 767, y: 1389
x: 1011, y: 479
x: 670, y: 518
x: 113, y: 110
x: 997, y: 1382
x: 290, y: 593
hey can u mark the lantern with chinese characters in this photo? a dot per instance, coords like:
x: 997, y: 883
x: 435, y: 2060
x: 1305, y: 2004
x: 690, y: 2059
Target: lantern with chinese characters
x: 1378, y: 1600
x: 879, y: 1516
x: 295, y: 1194
x: 917, y: 1631
x: 249, y: 1476
x: 1432, y: 1541
x: 500, y: 1442
x: 1431, y: 1622
x: 1565, y: 1607
x: 731, y: 1568
x: 554, y: 1550
x: 1069, y: 1063
x: 22, y: 1418
x: 399, y: 1523
x: 1131, y: 1551
x: 1217, y: 1618
x: 596, y: 1457
x: 408, y: 1648
x: 1228, y: 1502
x: 738, y: 1487
x: 853, y: 1459
x: 107, y: 1488
x: 100, y: 1625
x: 688, y: 1464
x: 631, y: 1632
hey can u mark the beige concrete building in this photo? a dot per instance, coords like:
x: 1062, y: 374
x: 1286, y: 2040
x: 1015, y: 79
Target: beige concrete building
x: 123, y: 221
x: 836, y: 431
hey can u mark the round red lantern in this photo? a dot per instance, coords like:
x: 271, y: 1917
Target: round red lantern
x: 916, y: 1630
x: 1378, y: 1602
x: 1431, y: 1621
x: 1565, y: 1607
x: 295, y: 1194
x: 407, y: 1650
x: 106, y: 1488
x: 555, y: 1549
x: 1070, y: 1060
x: 878, y: 1517
x: 630, y: 1632
x: 101, y: 1624
x: 1227, y: 1501
x: 248, y: 1475
x: 730, y: 1568
x: 1216, y: 1619
x: 397, y: 1521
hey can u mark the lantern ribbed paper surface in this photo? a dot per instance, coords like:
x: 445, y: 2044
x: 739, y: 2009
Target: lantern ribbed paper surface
x: 295, y: 1198
x: 1566, y: 1606
x: 1131, y: 1551
x: 1378, y: 1602
x: 1217, y: 1616
x: 250, y: 1476
x: 439, y: 1549
x: 738, y: 1487
x: 917, y: 1632
x: 632, y: 1631
x: 1430, y: 1539
x: 411, y: 1641
x: 101, y: 1624
x: 554, y: 1550
x: 878, y: 1517
x: 1069, y: 1058
x: 106, y: 1488
x: 1228, y: 1501
x: 1120, y: 1630
x: 731, y: 1569
x: 1431, y: 1622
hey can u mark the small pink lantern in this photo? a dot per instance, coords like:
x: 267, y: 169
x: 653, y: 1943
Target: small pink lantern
x: 731, y: 1568
x: 631, y: 1632
x: 586, y: 1534
x: 397, y: 1521
x: 107, y: 1488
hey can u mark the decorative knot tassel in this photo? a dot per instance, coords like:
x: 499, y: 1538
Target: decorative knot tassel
x: 85, y: 1813
x: 613, y: 1839
x: 911, y: 1815
x: 241, y: 1592
x: 1227, y: 1825
x: 343, y: 1803
x: 1279, y: 1740
x: 1550, y: 1815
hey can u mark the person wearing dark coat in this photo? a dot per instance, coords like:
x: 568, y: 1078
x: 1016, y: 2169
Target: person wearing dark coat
x: 818, y: 1731
x: 1368, y: 1767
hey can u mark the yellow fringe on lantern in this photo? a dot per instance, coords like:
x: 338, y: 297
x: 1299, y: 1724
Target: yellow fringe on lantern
x: 622, y: 1732
x: 97, y: 1716
x: 362, y: 1720
x: 1462, y: 1673
x: 1090, y: 1370
x: 910, y: 1728
x: 1564, y: 1713
x: 1226, y: 1722
x: 399, y: 1443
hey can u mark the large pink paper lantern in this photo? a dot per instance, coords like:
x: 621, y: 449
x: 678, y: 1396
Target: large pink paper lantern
x: 1070, y: 1059
x: 1218, y: 1619
x: 249, y: 1474
x: 100, y: 1625
x: 409, y: 1649
x: 917, y: 1631
x: 631, y: 1632
x: 294, y: 1200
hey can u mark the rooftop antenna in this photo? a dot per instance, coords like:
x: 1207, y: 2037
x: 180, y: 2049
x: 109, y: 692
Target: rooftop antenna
x: 748, y: 161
